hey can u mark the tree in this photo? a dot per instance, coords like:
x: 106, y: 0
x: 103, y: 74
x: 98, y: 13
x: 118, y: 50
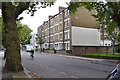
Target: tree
x: 24, y: 33
x: 118, y: 38
x: 10, y: 13
x: 40, y: 40
x: 0, y: 31
x: 108, y: 13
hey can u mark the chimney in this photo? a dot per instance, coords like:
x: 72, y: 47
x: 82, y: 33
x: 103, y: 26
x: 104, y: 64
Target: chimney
x: 61, y: 8
x: 50, y: 16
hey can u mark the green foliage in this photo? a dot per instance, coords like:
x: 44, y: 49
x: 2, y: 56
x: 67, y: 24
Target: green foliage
x: 118, y: 37
x: 33, y: 6
x: 0, y: 31
x: 107, y: 13
x: 105, y: 54
x: 48, y: 49
x: 119, y: 48
x: 24, y: 33
x: 53, y: 49
x: 40, y: 39
x: 63, y: 48
x: 2, y: 35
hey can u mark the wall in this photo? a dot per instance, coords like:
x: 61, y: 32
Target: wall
x: 85, y: 36
x: 57, y: 51
x: 79, y: 50
x: 83, y: 18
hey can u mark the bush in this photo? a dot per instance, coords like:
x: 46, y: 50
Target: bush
x: 69, y: 51
x: 118, y: 48
x: 48, y: 49
x: 63, y: 48
x: 53, y: 49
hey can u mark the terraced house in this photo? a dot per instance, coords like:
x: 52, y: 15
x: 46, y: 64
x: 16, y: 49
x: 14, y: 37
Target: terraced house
x: 60, y: 30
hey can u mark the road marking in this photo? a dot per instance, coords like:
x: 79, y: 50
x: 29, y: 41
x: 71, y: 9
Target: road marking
x: 73, y: 77
x: 53, y: 69
x: 62, y: 73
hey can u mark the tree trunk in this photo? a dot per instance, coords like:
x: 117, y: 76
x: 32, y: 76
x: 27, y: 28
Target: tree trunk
x: 13, y: 61
x: 40, y: 48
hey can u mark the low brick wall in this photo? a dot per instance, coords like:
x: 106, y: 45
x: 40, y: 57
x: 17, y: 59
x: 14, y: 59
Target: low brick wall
x: 79, y: 50
x: 49, y: 51
x: 57, y: 51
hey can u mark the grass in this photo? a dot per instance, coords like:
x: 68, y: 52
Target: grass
x: 106, y: 54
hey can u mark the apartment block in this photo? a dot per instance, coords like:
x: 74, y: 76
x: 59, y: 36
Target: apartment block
x: 57, y: 31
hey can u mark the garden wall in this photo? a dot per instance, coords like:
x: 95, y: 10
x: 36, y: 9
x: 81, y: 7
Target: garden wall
x: 57, y: 51
x: 79, y: 50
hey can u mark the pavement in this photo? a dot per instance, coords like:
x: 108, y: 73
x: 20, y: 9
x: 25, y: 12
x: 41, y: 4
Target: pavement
x: 22, y: 75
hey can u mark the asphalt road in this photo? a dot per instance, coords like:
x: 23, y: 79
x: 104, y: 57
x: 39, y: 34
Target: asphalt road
x: 1, y: 63
x: 52, y: 66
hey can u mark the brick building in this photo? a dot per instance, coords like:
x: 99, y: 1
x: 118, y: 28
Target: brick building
x: 57, y: 31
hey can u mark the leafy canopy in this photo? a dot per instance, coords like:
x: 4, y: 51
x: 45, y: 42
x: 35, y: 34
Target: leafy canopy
x: 108, y: 13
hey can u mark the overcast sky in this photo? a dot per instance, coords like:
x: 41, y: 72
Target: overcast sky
x: 42, y: 15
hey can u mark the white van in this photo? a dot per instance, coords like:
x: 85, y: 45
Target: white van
x: 29, y: 47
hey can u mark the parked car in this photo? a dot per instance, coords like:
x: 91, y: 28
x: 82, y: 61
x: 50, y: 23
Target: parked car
x: 115, y: 74
x: 3, y: 48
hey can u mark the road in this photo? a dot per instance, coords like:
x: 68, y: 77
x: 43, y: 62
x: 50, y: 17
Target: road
x: 52, y: 66
x: 1, y: 63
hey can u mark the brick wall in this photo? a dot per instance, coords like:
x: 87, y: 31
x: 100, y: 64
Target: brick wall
x: 78, y: 50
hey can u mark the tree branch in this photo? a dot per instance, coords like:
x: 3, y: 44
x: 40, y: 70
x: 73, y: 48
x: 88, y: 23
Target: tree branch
x: 21, y: 7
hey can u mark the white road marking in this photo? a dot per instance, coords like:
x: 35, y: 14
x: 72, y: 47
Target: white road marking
x: 62, y: 73
x: 53, y: 69
x: 73, y: 77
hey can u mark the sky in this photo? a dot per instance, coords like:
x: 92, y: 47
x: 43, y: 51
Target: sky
x: 41, y: 15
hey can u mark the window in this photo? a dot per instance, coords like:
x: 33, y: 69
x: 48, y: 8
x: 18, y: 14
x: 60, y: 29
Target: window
x: 65, y: 24
x: 45, y: 25
x: 60, y: 26
x: 65, y: 46
x: 68, y: 35
x: 51, y: 45
x: 105, y: 44
x: 66, y: 13
x: 56, y: 46
x: 48, y: 31
x: 45, y: 39
x: 56, y: 37
x: 51, y: 30
x: 61, y: 16
x: 68, y: 46
x: 60, y: 36
x: 48, y: 23
x: 51, y: 21
x: 45, y: 32
x: 56, y: 28
x: 105, y: 36
x: 48, y: 39
x: 57, y: 19
x: 51, y: 38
